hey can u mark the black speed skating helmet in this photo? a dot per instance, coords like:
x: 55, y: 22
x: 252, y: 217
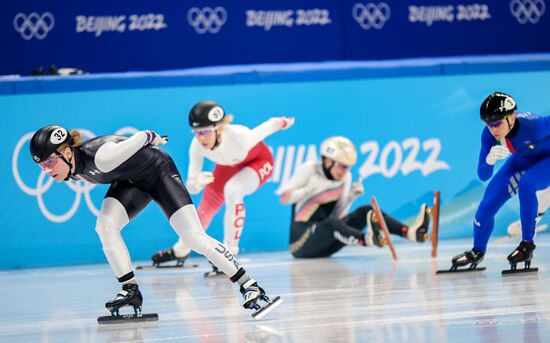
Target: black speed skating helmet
x: 47, y: 140
x: 206, y: 113
x: 496, y: 106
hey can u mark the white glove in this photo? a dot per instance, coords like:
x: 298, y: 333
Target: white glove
x: 154, y: 138
x: 357, y: 189
x: 498, y: 152
x: 286, y: 122
x: 203, y: 179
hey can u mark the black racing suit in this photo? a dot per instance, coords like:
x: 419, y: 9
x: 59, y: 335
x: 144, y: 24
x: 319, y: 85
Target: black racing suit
x: 149, y: 174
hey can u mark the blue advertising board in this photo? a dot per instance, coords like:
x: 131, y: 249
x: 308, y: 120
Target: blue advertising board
x: 414, y: 135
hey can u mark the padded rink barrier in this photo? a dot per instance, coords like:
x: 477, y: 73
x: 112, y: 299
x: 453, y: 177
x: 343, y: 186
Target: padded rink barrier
x: 415, y: 124
x: 279, y: 73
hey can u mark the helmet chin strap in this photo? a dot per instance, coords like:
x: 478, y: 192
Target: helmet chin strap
x: 70, y: 172
x: 326, y: 170
x: 508, y: 122
x: 217, y: 142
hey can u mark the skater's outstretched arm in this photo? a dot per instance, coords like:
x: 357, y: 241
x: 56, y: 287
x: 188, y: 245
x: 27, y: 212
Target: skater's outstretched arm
x: 111, y: 155
x: 296, y: 187
x: 196, y: 178
x: 267, y: 128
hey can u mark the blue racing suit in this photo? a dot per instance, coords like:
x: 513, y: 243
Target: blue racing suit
x: 526, y: 171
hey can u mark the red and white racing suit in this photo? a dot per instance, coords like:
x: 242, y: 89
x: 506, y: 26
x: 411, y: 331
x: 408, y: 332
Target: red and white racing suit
x: 243, y: 164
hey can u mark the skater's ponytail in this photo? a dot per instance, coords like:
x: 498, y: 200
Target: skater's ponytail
x: 76, y: 139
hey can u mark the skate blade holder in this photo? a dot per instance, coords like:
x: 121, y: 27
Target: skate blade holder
x: 260, y: 311
x: 463, y: 270
x: 514, y: 270
x: 179, y: 264
x: 213, y: 274
x: 137, y: 316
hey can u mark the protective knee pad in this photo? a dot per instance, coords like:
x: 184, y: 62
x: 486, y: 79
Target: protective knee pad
x: 185, y: 222
x: 106, y: 229
x: 232, y: 192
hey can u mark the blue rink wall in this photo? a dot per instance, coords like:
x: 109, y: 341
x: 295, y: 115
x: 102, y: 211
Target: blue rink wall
x: 414, y: 134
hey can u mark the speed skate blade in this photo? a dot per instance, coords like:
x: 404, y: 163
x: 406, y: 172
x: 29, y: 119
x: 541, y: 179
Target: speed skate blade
x: 449, y: 271
x: 128, y: 318
x: 267, y: 308
x: 213, y: 274
x: 519, y: 271
x: 170, y: 266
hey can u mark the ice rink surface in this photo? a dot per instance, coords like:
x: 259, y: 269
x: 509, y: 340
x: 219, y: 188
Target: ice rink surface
x: 358, y: 295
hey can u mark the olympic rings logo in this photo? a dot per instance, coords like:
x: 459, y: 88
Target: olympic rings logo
x: 207, y: 19
x: 527, y: 10
x: 34, y: 25
x: 44, y: 183
x: 371, y: 15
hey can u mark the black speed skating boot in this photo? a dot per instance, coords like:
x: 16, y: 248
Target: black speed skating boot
x: 163, y: 256
x: 471, y: 257
x: 168, y: 255
x: 214, y: 272
x: 253, y: 294
x: 419, y: 230
x: 129, y: 296
x: 523, y: 253
x: 374, y: 235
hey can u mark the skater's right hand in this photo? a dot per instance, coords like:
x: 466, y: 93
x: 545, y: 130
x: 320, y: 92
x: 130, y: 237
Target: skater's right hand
x: 203, y: 179
x: 498, y: 152
x: 357, y: 189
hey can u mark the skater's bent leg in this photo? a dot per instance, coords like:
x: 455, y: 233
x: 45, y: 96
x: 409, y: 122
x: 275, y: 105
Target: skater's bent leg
x: 210, y: 204
x: 242, y: 184
x: 501, y: 188
x: 534, y: 179
x: 185, y: 222
x: 344, y: 233
x: 358, y: 220
x: 316, y: 241
x: 172, y: 196
x: 112, y: 218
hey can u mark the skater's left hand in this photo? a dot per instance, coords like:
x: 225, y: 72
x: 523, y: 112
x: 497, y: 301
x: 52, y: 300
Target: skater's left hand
x: 154, y: 138
x: 286, y: 122
x: 357, y: 189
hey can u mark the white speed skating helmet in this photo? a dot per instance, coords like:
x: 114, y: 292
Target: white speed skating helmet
x: 339, y: 149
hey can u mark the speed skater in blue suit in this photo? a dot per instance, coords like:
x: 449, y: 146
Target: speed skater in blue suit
x: 522, y: 139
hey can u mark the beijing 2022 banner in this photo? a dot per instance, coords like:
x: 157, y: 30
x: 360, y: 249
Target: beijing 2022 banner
x: 107, y: 36
x: 413, y: 136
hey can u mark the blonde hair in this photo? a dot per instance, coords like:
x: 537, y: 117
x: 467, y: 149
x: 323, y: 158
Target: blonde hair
x: 227, y: 119
x: 75, y: 141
